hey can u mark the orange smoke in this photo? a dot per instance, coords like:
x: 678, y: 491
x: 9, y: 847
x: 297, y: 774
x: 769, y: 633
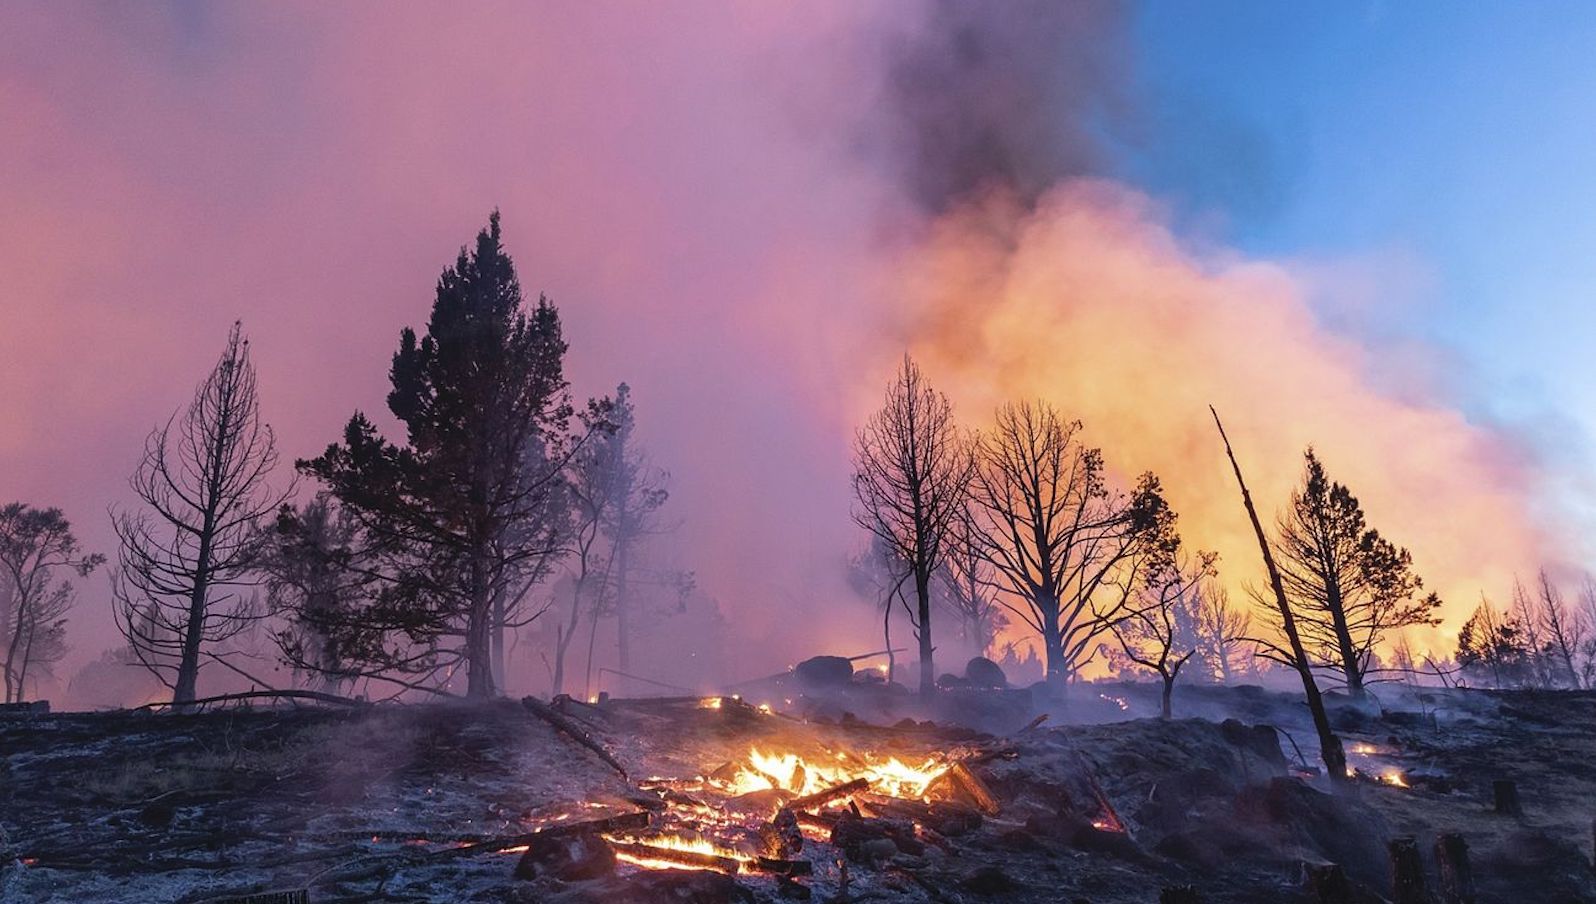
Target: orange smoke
x: 1089, y: 301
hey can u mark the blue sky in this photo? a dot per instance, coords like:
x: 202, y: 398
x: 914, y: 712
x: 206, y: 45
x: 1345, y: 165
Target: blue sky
x: 1456, y: 135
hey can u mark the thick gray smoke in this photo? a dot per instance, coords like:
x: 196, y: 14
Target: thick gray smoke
x: 1012, y: 96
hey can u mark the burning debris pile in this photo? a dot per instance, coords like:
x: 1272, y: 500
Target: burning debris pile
x: 716, y: 800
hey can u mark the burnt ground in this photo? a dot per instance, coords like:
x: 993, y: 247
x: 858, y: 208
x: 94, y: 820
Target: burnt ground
x: 407, y: 803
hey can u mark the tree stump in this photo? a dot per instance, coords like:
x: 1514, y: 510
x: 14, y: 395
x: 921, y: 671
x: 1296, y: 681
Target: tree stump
x: 1407, y: 872
x: 1505, y: 793
x: 1452, y: 864
x: 1327, y: 883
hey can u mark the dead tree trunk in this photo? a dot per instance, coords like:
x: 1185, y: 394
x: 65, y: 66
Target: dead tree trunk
x: 1452, y: 866
x: 1407, y: 872
x: 1335, y: 758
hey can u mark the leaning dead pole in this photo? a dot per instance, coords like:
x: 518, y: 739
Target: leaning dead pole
x: 1335, y: 759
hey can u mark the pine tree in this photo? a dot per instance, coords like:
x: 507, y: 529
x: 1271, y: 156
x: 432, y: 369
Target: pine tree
x: 461, y: 519
x: 1348, y: 584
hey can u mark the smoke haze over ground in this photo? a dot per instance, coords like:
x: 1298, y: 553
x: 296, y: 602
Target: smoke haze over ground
x: 747, y: 214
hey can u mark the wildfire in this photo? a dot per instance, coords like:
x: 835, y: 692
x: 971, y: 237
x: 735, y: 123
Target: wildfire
x: 791, y: 772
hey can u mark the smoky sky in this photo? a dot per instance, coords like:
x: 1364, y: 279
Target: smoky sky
x: 1008, y: 96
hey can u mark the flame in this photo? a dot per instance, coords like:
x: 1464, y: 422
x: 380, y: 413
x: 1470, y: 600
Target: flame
x: 709, y: 703
x: 1394, y: 778
x: 791, y: 772
x: 669, y: 842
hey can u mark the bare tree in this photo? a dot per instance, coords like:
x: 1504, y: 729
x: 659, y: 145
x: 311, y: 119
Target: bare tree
x: 1222, y: 631
x: 1064, y: 545
x: 186, y: 557
x: 36, y: 545
x: 1560, y: 632
x: 1157, y: 629
x: 637, y: 491
x: 1330, y: 749
x: 967, y: 583
x: 912, y: 468
x: 591, y: 473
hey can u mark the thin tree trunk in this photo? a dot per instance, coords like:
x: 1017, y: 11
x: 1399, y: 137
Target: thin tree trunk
x: 623, y: 607
x: 1335, y: 758
x: 928, y: 670
x: 498, y: 639
x: 1168, y: 709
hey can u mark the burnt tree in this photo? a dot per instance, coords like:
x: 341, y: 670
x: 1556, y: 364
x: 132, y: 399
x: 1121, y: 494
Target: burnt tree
x: 461, y: 520
x: 637, y: 491
x: 1157, y: 631
x: 1065, y: 546
x: 190, y: 551
x: 1330, y: 749
x: 37, y: 547
x: 912, y: 468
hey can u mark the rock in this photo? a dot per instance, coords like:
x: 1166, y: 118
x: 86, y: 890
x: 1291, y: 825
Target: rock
x: 1258, y: 739
x: 566, y: 857
x: 824, y: 671
x: 983, y: 672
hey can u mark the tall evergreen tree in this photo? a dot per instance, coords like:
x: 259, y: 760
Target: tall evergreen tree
x: 459, y: 520
x: 1347, y: 583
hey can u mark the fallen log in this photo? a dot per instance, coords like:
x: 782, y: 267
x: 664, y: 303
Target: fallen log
x: 317, y: 696
x: 827, y: 795
x: 782, y: 867
x: 639, y: 851
x: 548, y: 714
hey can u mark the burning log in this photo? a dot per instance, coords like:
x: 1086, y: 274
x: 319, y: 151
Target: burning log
x: 836, y: 792
x: 1407, y: 872
x: 646, y: 854
x: 967, y: 785
x: 572, y: 730
x: 1452, y: 863
x: 1505, y: 793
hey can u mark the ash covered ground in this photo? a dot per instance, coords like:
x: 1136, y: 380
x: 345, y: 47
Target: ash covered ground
x: 422, y: 802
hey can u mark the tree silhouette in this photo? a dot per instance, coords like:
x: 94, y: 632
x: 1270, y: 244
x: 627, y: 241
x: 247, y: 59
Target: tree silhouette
x: 36, y: 547
x: 912, y: 468
x: 1350, y: 586
x: 188, y: 554
x: 462, y: 520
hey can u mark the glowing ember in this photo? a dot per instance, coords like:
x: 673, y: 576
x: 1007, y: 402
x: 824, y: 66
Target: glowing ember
x: 1117, y: 701
x: 709, y: 703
